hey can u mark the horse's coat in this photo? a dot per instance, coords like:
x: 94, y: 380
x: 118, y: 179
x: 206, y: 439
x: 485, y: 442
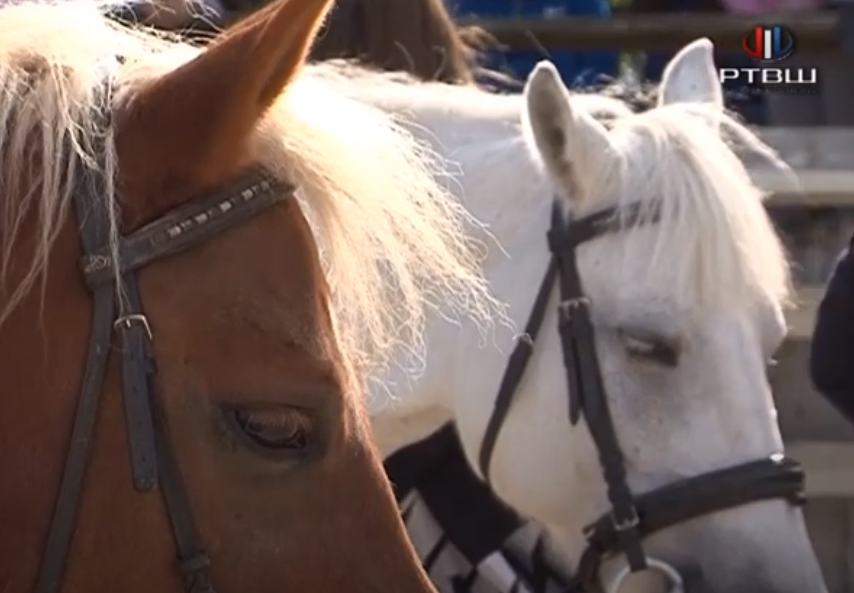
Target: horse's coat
x: 262, y: 335
x: 705, y: 284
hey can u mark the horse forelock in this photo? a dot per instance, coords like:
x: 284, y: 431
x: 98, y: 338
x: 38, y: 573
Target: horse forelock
x: 393, y: 242
x: 714, y: 236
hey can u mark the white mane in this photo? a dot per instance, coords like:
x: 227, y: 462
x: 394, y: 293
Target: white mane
x: 714, y: 237
x: 393, y: 242
x: 715, y: 220
x: 468, y: 103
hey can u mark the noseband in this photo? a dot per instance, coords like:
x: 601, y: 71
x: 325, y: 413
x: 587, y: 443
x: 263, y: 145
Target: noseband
x: 632, y: 517
x: 152, y: 459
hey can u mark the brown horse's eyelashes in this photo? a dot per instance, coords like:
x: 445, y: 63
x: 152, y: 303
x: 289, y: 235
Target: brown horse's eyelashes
x: 280, y: 433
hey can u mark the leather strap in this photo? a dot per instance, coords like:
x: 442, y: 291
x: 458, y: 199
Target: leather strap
x: 198, y: 220
x: 672, y: 504
x: 152, y: 459
x: 584, y: 378
x: 193, y: 562
x: 515, y: 369
x: 631, y: 517
x: 137, y: 378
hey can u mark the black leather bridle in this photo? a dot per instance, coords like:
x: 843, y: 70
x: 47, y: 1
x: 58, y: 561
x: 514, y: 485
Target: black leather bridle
x: 152, y: 460
x: 632, y: 517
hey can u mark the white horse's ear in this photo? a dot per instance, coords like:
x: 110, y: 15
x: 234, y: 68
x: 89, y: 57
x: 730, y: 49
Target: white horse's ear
x: 570, y: 143
x: 691, y: 77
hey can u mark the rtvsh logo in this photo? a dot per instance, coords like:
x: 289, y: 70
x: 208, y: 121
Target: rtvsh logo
x: 769, y: 47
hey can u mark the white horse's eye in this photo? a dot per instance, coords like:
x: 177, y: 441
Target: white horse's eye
x: 650, y: 348
x: 638, y: 346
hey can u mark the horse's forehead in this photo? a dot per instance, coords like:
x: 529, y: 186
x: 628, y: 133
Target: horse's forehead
x: 615, y: 271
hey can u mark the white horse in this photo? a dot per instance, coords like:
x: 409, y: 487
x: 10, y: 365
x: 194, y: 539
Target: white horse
x: 687, y: 311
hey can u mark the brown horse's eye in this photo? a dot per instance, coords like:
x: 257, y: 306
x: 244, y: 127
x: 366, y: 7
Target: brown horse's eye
x: 277, y: 430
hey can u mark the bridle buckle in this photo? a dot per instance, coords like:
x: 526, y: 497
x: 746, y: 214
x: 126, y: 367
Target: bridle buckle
x: 632, y: 521
x: 127, y: 321
x: 629, y: 523
x: 568, y: 306
x: 526, y: 339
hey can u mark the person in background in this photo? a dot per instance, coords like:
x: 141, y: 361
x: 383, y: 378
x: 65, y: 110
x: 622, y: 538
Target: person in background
x: 577, y: 68
x: 831, y: 364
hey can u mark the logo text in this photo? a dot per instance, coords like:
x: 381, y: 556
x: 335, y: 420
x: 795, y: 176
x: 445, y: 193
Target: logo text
x: 770, y: 76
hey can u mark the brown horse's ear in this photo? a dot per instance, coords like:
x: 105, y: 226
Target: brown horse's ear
x: 195, y: 120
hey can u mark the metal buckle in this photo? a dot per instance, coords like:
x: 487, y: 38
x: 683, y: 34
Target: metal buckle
x: 632, y: 522
x: 127, y: 321
x: 525, y: 338
x: 569, y: 305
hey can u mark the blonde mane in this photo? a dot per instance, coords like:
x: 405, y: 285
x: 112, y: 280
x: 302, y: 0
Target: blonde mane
x: 393, y: 243
x: 471, y: 99
x: 713, y: 230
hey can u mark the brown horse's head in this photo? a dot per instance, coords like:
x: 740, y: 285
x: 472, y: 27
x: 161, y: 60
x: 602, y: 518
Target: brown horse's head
x: 263, y: 334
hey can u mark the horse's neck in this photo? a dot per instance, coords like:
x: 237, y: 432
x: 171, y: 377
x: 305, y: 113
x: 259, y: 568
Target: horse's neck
x: 456, y: 115
x: 480, y: 133
x: 506, y: 189
x: 502, y: 186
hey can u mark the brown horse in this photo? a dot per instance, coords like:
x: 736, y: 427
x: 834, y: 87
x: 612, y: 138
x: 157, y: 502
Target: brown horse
x: 265, y: 250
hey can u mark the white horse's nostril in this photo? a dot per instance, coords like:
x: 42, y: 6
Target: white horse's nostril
x: 672, y: 579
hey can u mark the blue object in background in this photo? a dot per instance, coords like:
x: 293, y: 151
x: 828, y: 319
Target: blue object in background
x: 577, y: 68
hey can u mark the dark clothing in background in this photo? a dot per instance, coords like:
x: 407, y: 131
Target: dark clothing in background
x: 832, y: 350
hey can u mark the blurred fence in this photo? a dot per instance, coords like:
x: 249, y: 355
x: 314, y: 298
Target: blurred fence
x: 819, y: 31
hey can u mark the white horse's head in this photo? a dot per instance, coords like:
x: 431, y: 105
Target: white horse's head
x: 687, y: 312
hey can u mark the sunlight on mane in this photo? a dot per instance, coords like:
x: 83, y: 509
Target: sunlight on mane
x: 718, y: 235
x: 393, y: 242
x: 478, y: 102
x: 714, y: 228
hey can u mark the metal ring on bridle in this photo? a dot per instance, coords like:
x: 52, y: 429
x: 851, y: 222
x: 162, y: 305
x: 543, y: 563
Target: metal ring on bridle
x: 675, y: 582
